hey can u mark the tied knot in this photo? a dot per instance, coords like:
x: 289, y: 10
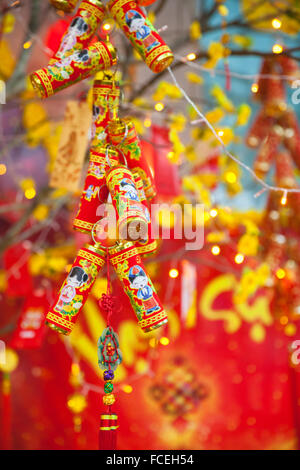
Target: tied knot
x: 107, y: 303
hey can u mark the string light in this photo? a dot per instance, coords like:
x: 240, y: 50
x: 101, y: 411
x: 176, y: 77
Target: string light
x: 276, y: 23
x: 283, y: 320
x: 239, y: 258
x: 280, y: 273
x: 191, y: 56
x: 215, y: 250
x: 27, y: 45
x: 213, y: 213
x: 147, y: 122
x: 254, y: 87
x: 164, y: 341
x: 283, y: 200
x: 127, y: 388
x: 170, y: 155
x: 30, y: 193
x: 277, y: 49
x: 159, y: 106
x: 3, y: 169
x: 230, y: 177
x: 107, y: 27
x: 173, y: 273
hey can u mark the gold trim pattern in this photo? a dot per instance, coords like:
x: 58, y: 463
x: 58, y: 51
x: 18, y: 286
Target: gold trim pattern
x: 149, y: 321
x: 45, y: 81
x: 109, y: 417
x: 101, y: 90
x: 59, y: 320
x: 123, y: 256
x: 148, y: 248
x: 82, y: 224
x: 156, y: 53
x: 109, y: 428
x: 96, y: 11
x: 90, y: 257
x: 117, y: 6
x: 120, y: 247
x: 154, y: 327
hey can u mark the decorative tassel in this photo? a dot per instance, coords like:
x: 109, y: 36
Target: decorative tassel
x: 108, y: 431
x: 109, y: 357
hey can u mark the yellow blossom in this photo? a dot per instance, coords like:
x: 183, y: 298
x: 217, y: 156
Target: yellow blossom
x: 195, y: 30
x: 243, y: 41
x: 8, y: 23
x: 166, y: 89
x: 243, y: 114
x: 27, y: 183
x: 226, y: 134
x: 248, y: 245
x: 190, y: 153
x: 36, y: 263
x: 7, y: 62
x: 178, y: 122
x: 222, y: 99
x: 216, y: 51
x: 215, y: 115
x: 35, y: 121
x: 194, y: 78
x: 140, y: 102
x: 41, y: 212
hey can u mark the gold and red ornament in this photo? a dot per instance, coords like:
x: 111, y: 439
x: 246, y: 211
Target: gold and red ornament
x: 132, y: 224
x: 69, y: 70
x: 138, y: 286
x: 106, y: 96
x: 75, y: 290
x: 81, y: 29
x: 95, y: 191
x: 122, y: 134
x: 142, y: 34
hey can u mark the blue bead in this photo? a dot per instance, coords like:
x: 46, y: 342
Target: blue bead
x: 108, y: 375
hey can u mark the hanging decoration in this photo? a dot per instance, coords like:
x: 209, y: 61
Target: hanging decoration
x: 119, y: 177
x: 142, y: 34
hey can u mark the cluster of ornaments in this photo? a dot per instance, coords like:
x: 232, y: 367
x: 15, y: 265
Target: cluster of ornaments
x: 119, y: 177
x: 77, y: 59
x: 119, y: 180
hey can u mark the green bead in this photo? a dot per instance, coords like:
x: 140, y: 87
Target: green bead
x: 108, y: 387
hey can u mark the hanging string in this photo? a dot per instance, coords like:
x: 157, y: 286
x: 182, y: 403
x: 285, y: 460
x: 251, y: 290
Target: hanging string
x: 224, y: 149
x: 237, y: 75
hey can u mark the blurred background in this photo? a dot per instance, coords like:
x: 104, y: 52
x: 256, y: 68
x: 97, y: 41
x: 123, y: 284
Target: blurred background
x: 223, y: 373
